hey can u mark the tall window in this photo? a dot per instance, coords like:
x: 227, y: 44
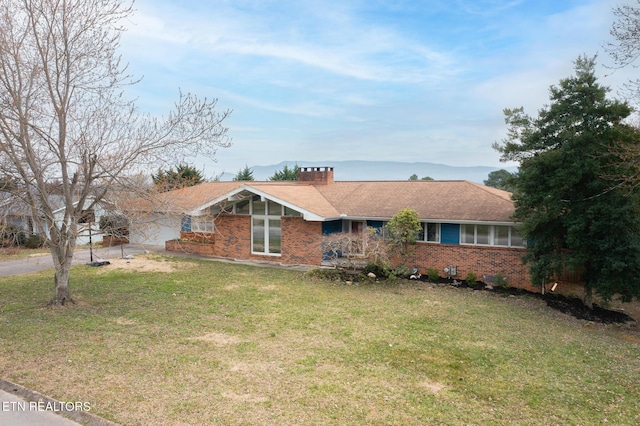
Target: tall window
x: 266, y: 227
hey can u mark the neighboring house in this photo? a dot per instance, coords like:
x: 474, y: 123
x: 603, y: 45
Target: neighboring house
x: 89, y: 222
x: 466, y: 226
x: 15, y: 211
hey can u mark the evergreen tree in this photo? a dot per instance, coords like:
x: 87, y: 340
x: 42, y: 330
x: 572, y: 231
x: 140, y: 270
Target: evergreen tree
x: 286, y: 173
x: 572, y: 215
x: 415, y: 177
x: 244, y: 174
x: 501, y: 179
x: 184, y: 175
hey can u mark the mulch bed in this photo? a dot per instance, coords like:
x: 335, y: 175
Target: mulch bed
x: 568, y: 305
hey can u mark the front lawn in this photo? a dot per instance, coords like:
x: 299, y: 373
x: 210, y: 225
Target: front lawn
x: 196, y: 342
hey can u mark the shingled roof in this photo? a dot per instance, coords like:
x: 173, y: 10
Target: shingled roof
x: 462, y: 201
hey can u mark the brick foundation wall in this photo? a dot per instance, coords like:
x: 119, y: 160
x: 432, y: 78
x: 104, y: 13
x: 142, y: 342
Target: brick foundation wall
x: 191, y: 247
x: 477, y: 259
x: 198, y: 237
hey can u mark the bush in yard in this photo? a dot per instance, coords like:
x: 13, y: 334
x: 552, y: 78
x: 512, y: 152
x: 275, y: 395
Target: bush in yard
x: 433, y: 274
x: 471, y: 279
x: 402, y: 232
x: 11, y: 235
x: 34, y: 241
x: 500, y: 280
x: 380, y: 268
x: 402, y: 271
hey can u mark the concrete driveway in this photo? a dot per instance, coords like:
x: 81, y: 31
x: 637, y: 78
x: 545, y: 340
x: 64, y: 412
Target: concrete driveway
x: 44, y: 261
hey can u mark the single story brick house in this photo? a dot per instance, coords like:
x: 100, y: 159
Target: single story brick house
x: 466, y: 226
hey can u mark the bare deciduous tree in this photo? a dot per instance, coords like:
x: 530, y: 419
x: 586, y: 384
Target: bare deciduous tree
x: 625, y: 50
x: 352, y: 250
x: 64, y: 115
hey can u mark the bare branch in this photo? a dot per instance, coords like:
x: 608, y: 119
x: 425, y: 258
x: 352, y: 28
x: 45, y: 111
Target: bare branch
x: 64, y: 116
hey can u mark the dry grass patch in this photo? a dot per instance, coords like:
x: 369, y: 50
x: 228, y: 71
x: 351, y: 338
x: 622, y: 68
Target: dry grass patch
x: 144, y: 263
x: 433, y: 388
x: 219, y: 339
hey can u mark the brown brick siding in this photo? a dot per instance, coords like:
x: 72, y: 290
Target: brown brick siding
x: 477, y: 259
x: 302, y: 244
x: 301, y: 241
x: 204, y: 249
x: 233, y: 236
x: 198, y: 237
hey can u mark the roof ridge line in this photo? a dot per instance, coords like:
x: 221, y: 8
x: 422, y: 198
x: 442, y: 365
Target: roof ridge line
x: 490, y: 189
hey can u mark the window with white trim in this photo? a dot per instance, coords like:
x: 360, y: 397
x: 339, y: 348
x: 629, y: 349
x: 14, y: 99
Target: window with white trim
x: 266, y: 227
x: 490, y: 235
x: 202, y: 224
x: 429, y: 232
x: 291, y: 212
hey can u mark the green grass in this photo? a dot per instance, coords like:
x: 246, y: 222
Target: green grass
x: 219, y: 343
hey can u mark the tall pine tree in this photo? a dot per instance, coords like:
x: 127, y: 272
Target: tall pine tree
x: 574, y: 214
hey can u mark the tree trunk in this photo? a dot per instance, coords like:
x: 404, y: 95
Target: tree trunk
x: 62, y: 295
x: 61, y: 280
x: 588, y: 296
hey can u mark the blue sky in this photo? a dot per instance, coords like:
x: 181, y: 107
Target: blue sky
x: 362, y: 79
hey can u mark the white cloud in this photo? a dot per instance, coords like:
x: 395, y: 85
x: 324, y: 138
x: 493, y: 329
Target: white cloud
x: 356, y: 79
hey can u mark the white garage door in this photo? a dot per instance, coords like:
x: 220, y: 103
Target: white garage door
x: 155, y: 230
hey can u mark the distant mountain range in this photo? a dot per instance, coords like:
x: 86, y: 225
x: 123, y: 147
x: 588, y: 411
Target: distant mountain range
x: 381, y: 170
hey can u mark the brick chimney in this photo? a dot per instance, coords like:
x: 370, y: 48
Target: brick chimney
x: 315, y: 175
